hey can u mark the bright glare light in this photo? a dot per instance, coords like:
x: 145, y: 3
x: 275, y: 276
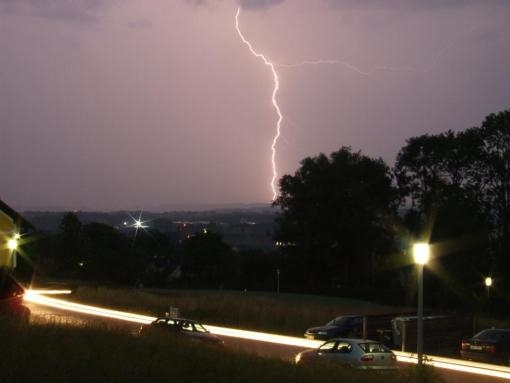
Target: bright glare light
x: 488, y: 281
x: 12, y: 244
x: 421, y: 253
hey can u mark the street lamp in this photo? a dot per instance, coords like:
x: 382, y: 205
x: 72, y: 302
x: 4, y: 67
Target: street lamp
x: 488, y: 284
x: 421, y: 254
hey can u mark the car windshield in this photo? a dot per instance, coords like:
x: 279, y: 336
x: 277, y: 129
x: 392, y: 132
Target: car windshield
x: 373, y: 347
x: 200, y: 328
x: 493, y: 335
x: 341, y: 321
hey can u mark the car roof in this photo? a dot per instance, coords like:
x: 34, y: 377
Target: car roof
x: 354, y: 340
x: 177, y: 319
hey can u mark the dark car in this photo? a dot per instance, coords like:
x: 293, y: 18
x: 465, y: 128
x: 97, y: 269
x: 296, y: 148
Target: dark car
x: 343, y: 326
x: 186, y: 327
x: 362, y: 354
x: 488, y: 346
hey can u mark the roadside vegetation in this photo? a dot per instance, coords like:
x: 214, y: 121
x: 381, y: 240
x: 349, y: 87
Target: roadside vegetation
x: 93, y: 354
x: 289, y: 314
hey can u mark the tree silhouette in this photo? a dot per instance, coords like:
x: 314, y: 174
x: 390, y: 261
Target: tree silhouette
x: 336, y: 221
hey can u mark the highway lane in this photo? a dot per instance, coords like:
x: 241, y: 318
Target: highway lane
x: 275, y: 346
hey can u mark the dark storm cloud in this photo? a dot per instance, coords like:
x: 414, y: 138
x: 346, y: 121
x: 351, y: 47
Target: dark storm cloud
x: 78, y: 10
x: 258, y: 4
x: 413, y: 4
x: 140, y: 24
x: 253, y: 5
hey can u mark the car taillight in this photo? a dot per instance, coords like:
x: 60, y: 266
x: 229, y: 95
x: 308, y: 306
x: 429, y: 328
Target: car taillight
x: 367, y: 358
x: 464, y: 345
x: 490, y: 348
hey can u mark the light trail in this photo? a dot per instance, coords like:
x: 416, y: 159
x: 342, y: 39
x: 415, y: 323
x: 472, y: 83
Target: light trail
x: 273, y: 99
x: 31, y: 296
x: 436, y: 361
x: 457, y: 365
x: 48, y: 292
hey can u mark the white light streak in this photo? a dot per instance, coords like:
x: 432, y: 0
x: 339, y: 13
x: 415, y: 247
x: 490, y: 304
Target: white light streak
x: 48, y: 292
x: 273, y: 99
x: 33, y: 297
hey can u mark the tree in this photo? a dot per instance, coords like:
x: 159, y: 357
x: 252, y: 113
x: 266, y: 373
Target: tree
x: 458, y: 184
x: 336, y: 219
x: 207, y: 261
x: 495, y: 179
x: 69, y: 248
x: 106, y: 254
x: 495, y: 143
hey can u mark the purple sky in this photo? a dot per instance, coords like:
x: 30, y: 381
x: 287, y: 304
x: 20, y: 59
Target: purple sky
x: 109, y: 104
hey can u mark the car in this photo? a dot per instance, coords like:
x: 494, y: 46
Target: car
x: 490, y: 346
x: 342, y: 326
x: 361, y: 354
x: 181, y: 326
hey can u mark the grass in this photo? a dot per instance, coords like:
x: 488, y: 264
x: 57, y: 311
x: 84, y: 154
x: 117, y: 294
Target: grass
x: 35, y: 353
x: 283, y: 313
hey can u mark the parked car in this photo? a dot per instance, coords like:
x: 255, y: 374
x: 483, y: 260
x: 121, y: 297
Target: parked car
x: 186, y: 327
x: 357, y: 353
x: 489, y: 346
x: 348, y: 326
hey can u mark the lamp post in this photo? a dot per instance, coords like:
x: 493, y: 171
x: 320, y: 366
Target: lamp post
x: 278, y: 281
x: 421, y: 254
x: 488, y: 284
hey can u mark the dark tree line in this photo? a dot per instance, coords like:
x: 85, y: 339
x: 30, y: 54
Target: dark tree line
x: 99, y: 252
x: 349, y: 220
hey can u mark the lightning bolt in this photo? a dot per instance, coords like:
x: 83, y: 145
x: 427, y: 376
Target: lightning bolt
x: 379, y: 68
x: 346, y: 64
x: 273, y: 99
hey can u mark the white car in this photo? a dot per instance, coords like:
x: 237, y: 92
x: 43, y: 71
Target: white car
x: 363, y: 354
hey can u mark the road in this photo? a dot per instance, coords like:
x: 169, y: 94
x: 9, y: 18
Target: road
x: 44, y: 314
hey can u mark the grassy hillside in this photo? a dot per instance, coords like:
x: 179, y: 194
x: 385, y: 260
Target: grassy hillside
x: 60, y: 354
x: 283, y: 313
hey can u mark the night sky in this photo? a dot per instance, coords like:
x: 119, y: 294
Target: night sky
x: 109, y: 104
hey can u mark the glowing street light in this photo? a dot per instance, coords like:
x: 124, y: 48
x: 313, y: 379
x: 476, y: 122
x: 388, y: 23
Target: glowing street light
x: 421, y: 254
x: 12, y: 244
x: 488, y: 284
